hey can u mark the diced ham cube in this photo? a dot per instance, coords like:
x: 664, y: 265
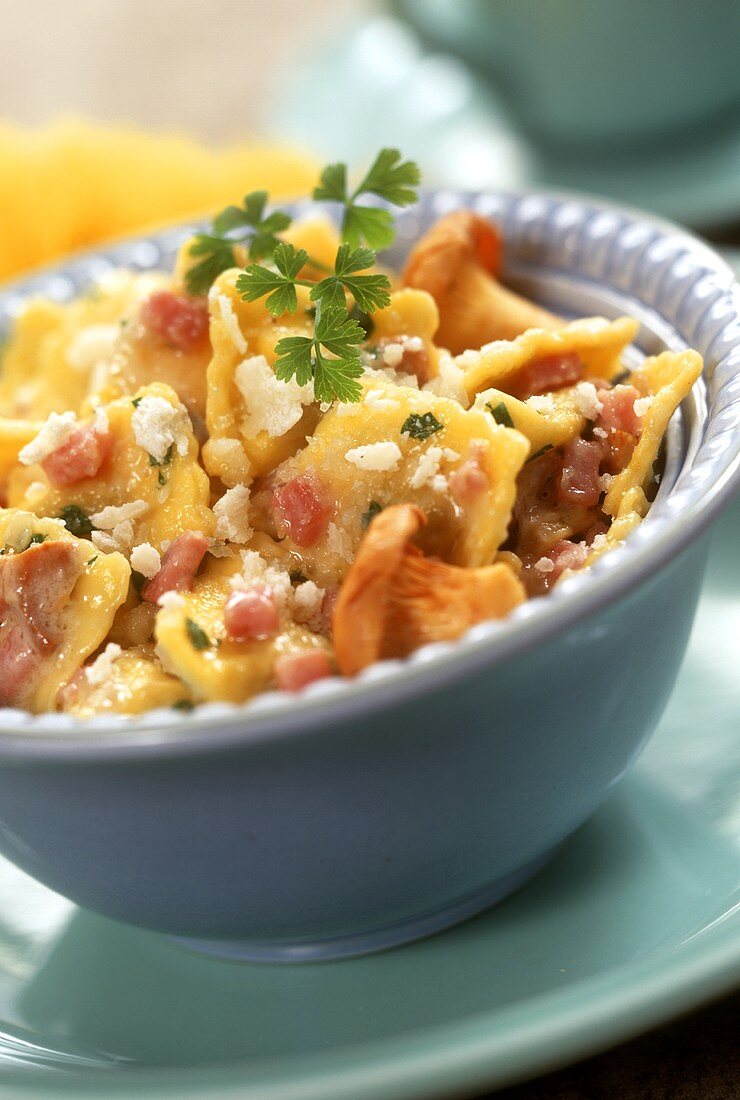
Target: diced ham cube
x: 181, y: 321
x: 294, y: 672
x: 618, y: 411
x: 551, y: 372
x: 300, y: 510
x: 566, y: 555
x: 251, y: 615
x: 179, y: 565
x: 579, y: 480
x: 80, y: 456
x: 35, y: 585
x: 468, y: 482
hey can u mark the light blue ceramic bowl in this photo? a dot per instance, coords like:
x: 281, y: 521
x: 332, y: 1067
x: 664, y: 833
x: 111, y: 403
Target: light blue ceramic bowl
x: 367, y: 813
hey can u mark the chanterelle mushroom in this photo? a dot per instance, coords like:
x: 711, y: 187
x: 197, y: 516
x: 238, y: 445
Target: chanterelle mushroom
x: 394, y: 599
x: 458, y: 262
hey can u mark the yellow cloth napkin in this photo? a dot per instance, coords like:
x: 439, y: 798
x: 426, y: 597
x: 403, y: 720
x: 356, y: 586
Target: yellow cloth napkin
x: 75, y: 184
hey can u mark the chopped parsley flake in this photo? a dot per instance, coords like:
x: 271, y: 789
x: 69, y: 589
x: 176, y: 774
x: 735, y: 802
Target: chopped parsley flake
x: 76, y: 521
x: 421, y: 425
x: 373, y: 509
x: 197, y: 635
x: 500, y: 414
x: 183, y: 704
x: 538, y: 454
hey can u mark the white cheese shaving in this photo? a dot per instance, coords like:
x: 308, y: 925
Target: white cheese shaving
x: 308, y: 600
x: 642, y: 404
x: 375, y: 399
x: 427, y: 467
x: 232, y: 515
x: 450, y: 380
x: 92, y: 345
x: 604, y: 482
x: 145, y: 559
x: 338, y: 542
x: 231, y: 321
x: 271, y: 406
x: 158, y: 425
x: 256, y: 572
x: 123, y: 534
x: 109, y: 517
x: 170, y: 600
x: 102, y: 667
x: 600, y: 542
x: 104, y: 542
x: 393, y: 355
x: 375, y: 456
x: 600, y: 433
x: 542, y: 403
x: 544, y: 565
x: 53, y: 433
x: 587, y: 400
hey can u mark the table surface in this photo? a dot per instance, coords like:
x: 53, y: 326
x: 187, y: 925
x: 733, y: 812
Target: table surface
x: 96, y: 61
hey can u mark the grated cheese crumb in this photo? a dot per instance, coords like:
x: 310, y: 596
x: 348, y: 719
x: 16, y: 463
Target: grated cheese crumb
x: 375, y: 456
x: 257, y: 572
x: 102, y: 667
x: 338, y: 542
x: 104, y: 542
x: 450, y: 380
x: 393, y: 355
x: 544, y: 565
x: 123, y: 534
x: 145, y: 559
x: 587, y: 400
x: 604, y: 482
x: 600, y: 433
x: 170, y: 600
x: 54, y: 432
x: 542, y: 403
x: 232, y: 515
x: 109, y: 517
x: 427, y: 467
x: 600, y: 542
x: 308, y: 600
x: 271, y: 406
x: 158, y: 425
x: 231, y: 321
x: 642, y: 404
x: 374, y: 399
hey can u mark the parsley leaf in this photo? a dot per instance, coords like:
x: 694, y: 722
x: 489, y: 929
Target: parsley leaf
x: 246, y: 225
x: 257, y: 281
x: 421, y: 426
x: 197, y: 635
x: 36, y: 540
x: 76, y: 521
x: 390, y: 178
x: 370, y: 292
x: 183, y: 704
x: 334, y: 374
x: 500, y: 414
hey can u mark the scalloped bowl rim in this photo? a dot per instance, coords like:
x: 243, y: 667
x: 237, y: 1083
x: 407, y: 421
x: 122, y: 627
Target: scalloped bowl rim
x: 702, y: 488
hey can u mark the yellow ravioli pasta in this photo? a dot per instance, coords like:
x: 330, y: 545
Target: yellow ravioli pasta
x: 598, y: 343
x: 135, y: 682
x: 192, y: 643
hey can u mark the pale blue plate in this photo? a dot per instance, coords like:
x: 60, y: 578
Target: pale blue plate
x: 636, y: 920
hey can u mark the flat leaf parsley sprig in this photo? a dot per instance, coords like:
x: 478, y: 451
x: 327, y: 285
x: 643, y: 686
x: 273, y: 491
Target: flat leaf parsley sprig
x: 331, y: 355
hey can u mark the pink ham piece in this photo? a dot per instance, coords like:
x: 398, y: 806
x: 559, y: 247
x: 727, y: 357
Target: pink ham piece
x: 579, y: 480
x: 300, y: 510
x: 468, y: 482
x: 251, y: 615
x: 80, y: 456
x: 294, y: 672
x: 618, y: 410
x: 551, y: 372
x: 566, y: 555
x: 179, y: 565
x: 182, y: 322
x: 35, y: 585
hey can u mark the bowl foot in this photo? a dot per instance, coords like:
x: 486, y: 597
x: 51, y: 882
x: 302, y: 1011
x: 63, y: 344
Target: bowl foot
x: 368, y: 942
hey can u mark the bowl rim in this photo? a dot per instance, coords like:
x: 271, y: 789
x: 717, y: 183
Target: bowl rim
x: 271, y: 715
